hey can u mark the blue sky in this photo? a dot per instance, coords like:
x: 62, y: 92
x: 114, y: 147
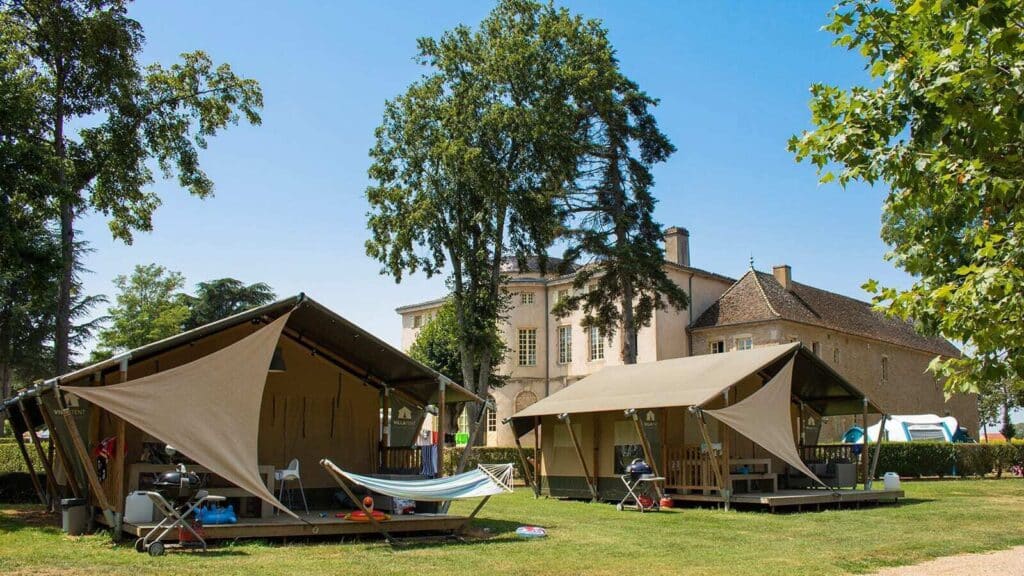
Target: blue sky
x: 289, y: 209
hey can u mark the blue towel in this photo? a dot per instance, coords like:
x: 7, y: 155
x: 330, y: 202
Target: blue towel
x: 428, y: 455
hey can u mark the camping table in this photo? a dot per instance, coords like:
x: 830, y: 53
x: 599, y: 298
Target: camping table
x: 643, y: 485
x: 266, y: 472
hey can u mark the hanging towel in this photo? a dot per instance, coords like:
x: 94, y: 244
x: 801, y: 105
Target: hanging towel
x: 428, y: 455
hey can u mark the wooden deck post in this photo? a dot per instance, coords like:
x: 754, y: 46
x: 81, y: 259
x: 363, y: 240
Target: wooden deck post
x: 864, y: 451
x: 522, y: 457
x: 646, y: 446
x: 579, y: 454
x: 878, y: 448
x: 714, y: 460
x: 442, y: 417
x: 51, y: 483
x: 537, y: 456
x: 31, y: 468
x: 83, y: 455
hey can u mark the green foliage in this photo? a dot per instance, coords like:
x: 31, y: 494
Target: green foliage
x: 915, y: 459
x: 437, y: 346
x: 11, y: 459
x: 100, y: 121
x: 469, y: 160
x: 487, y: 455
x: 148, y: 308
x: 941, y: 125
x: 610, y: 210
x: 224, y: 297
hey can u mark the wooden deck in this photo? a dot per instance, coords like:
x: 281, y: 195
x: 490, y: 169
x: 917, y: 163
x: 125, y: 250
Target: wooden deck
x: 314, y: 525
x: 797, y: 498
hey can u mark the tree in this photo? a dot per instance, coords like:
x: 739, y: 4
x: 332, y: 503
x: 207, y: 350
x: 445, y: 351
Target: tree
x: 468, y: 162
x: 224, y: 297
x: 103, y: 118
x: 940, y: 125
x: 997, y: 400
x: 612, y: 208
x: 148, y: 308
x: 437, y: 346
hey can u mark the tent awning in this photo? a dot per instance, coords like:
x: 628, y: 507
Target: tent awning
x: 318, y: 327
x: 697, y: 380
x: 209, y: 408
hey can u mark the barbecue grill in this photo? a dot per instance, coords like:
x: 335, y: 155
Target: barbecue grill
x: 177, y: 485
x: 177, y: 496
x: 641, y: 487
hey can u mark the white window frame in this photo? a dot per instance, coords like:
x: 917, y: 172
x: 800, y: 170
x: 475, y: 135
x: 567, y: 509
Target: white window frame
x: 816, y: 348
x: 743, y: 338
x: 564, y: 346
x: 527, y: 349
x: 561, y: 294
x: 712, y: 345
x: 492, y: 417
x: 596, y: 347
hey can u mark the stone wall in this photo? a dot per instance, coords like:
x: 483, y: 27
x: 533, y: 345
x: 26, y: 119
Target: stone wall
x: 906, y: 388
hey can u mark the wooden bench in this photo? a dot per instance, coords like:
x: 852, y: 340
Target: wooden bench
x: 266, y: 472
x: 753, y: 474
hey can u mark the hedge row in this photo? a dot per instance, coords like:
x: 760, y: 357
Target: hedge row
x: 915, y: 459
x: 487, y: 455
x: 10, y: 456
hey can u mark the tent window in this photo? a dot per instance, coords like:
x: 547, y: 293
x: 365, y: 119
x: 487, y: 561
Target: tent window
x: 561, y: 438
x: 528, y: 347
x: 564, y: 344
x: 926, y: 433
x: 716, y: 347
x: 627, y: 445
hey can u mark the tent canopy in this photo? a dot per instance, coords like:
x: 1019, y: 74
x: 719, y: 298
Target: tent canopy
x: 697, y: 380
x: 316, y: 327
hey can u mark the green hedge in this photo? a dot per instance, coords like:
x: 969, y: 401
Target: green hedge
x: 486, y: 455
x: 10, y: 456
x: 916, y: 459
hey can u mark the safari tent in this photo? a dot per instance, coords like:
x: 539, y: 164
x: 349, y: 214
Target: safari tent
x: 737, y: 427
x: 239, y: 399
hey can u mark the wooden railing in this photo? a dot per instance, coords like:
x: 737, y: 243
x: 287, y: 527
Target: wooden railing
x: 829, y: 453
x: 689, y: 469
x: 400, y: 458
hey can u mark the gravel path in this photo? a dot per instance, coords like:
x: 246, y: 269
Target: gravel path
x: 1001, y: 563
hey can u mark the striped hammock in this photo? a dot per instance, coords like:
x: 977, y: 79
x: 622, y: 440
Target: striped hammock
x: 486, y: 480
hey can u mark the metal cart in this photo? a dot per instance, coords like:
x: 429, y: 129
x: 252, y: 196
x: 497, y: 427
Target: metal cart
x: 637, y: 486
x: 177, y: 496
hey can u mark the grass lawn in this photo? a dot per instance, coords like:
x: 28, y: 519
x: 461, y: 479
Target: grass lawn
x: 937, y: 519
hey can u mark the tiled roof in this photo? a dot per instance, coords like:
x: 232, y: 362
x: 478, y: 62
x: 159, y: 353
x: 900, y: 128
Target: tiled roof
x: 758, y: 296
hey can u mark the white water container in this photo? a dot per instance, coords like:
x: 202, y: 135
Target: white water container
x: 138, y: 509
x: 891, y: 480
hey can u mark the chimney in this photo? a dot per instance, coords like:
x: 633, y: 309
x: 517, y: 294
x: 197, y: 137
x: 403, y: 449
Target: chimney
x: 677, y: 246
x: 784, y: 275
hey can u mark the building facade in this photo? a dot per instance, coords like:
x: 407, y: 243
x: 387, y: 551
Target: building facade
x: 546, y: 354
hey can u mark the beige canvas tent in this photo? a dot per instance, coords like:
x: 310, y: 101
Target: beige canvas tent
x: 238, y: 399
x: 719, y: 427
